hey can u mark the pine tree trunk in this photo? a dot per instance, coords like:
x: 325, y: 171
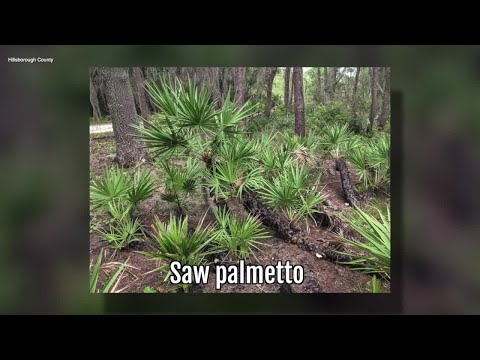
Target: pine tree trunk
x: 214, y: 82
x: 354, y: 96
x: 299, y: 102
x: 141, y: 94
x: 386, y: 101
x: 225, y: 75
x: 326, y: 91
x: 286, y: 95
x: 333, y: 86
x: 94, y: 98
x: 373, y: 107
x: 261, y: 75
x: 320, y: 88
x: 151, y: 74
x: 240, y: 86
x: 290, y: 102
x: 122, y: 113
x: 270, y: 79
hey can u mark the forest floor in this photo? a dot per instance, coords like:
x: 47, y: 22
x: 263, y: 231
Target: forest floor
x: 321, y: 275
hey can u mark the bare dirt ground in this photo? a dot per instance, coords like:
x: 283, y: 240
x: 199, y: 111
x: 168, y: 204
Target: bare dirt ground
x: 320, y: 275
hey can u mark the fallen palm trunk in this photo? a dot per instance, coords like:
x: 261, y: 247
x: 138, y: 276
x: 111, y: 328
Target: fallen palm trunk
x: 283, y: 228
x: 348, y: 191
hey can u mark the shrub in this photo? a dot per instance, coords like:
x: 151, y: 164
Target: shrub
x: 117, y: 184
x: 238, y: 238
x: 291, y: 192
x: 334, y: 112
x: 174, y: 242
x: 334, y: 138
x: 122, y: 232
x: 376, y: 235
x: 371, y: 160
x: 114, y: 184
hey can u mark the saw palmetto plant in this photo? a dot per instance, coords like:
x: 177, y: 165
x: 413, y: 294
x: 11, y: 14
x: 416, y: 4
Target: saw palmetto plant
x: 142, y: 187
x: 236, y: 149
x: 190, y: 118
x: 376, y: 235
x: 113, y: 185
x: 122, y: 232
x: 117, y: 184
x: 334, y: 137
x: 239, y: 238
x: 372, y: 161
x: 229, y: 180
x: 174, y: 242
x: 180, y: 181
x: 291, y: 192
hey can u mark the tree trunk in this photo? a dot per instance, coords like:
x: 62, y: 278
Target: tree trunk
x: 386, y: 101
x: 141, y: 94
x: 94, y: 98
x: 373, y: 107
x: 122, y: 113
x: 326, y: 97
x: 299, y: 103
x: 270, y: 79
x: 290, y: 102
x: 214, y: 82
x: 240, y: 86
x: 333, y: 86
x: 286, y: 97
x: 225, y: 89
x: 354, y: 96
x: 261, y: 75
x: 348, y: 189
x: 320, y: 88
x: 151, y: 75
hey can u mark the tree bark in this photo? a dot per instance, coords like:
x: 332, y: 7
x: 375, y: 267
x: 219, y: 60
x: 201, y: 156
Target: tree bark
x: 240, y: 86
x: 326, y: 97
x: 290, y: 102
x: 286, y: 95
x: 373, y: 107
x: 270, y: 79
x: 141, y: 94
x: 122, y: 113
x: 94, y: 98
x: 320, y: 88
x: 225, y: 74
x: 354, y: 96
x: 151, y: 75
x: 299, y: 102
x: 261, y: 75
x: 333, y: 86
x: 348, y: 190
x: 214, y: 82
x: 386, y: 101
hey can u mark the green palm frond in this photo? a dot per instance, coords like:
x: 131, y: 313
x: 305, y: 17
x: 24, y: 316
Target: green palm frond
x: 142, y: 187
x: 113, y: 185
x: 376, y: 233
x: 195, y: 108
x: 162, y: 140
x: 334, y: 137
x: 174, y: 242
x: 230, y: 115
x: 238, y: 238
x: 112, y: 282
x: 358, y: 158
x: 122, y: 232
